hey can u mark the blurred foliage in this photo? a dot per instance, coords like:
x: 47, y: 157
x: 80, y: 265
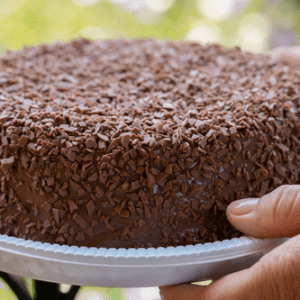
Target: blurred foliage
x: 255, y: 25
x: 6, y: 293
x: 85, y: 293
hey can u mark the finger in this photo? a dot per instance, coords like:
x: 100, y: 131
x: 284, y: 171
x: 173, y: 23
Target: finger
x: 183, y: 291
x: 274, y: 215
x: 289, y: 55
x: 275, y: 276
x: 233, y: 286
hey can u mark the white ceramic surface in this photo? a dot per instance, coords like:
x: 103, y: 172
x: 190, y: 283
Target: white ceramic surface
x: 130, y: 268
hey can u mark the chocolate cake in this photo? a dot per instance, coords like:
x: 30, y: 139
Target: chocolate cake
x: 140, y: 143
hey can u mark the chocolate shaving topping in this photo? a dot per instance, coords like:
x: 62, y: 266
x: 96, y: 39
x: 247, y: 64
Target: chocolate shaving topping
x: 140, y: 143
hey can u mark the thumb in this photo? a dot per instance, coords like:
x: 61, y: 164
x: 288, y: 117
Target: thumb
x: 289, y: 55
x: 274, y: 215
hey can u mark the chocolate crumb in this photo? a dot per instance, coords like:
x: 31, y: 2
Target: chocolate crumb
x: 90, y: 143
x: 81, y: 221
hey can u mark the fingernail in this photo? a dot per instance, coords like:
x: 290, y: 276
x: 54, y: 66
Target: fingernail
x: 243, y: 207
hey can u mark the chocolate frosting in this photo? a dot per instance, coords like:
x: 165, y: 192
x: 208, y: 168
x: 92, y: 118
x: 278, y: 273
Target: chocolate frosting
x: 140, y: 143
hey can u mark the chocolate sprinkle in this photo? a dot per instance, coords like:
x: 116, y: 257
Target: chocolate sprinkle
x: 140, y: 143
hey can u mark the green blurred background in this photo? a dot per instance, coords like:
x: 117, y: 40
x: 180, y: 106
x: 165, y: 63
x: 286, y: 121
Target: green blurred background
x: 254, y: 25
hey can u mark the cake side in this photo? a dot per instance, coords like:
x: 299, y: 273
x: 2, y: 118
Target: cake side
x: 140, y: 143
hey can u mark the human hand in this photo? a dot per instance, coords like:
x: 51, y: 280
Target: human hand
x: 277, y: 274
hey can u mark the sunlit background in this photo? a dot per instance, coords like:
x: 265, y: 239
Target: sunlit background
x: 254, y: 25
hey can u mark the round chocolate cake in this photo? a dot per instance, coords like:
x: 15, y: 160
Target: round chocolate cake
x: 140, y: 143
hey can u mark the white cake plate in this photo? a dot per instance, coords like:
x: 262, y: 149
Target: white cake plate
x: 130, y: 268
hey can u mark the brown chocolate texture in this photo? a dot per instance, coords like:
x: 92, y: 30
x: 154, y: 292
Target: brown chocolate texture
x: 140, y: 143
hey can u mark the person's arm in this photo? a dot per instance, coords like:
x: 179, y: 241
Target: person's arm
x: 277, y: 274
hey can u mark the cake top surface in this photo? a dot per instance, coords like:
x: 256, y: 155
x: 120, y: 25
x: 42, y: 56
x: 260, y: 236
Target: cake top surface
x: 108, y: 106
x: 160, y: 91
